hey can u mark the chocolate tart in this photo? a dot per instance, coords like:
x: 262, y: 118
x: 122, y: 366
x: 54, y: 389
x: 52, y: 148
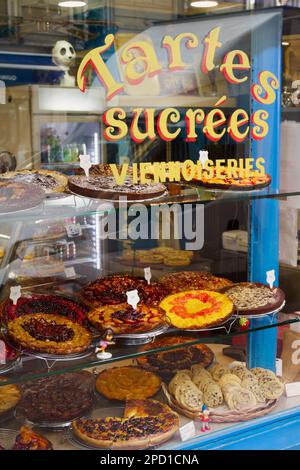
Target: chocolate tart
x: 254, y: 298
x: 16, y: 196
x: 105, y: 187
x: 47, y: 180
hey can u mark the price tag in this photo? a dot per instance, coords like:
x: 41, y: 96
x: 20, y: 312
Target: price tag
x: 292, y: 389
x: 187, y: 431
x: 85, y: 164
x: 15, y: 294
x: 203, y: 157
x: 70, y: 272
x: 279, y: 367
x: 148, y: 274
x: 73, y: 230
x: 133, y: 298
x: 271, y: 278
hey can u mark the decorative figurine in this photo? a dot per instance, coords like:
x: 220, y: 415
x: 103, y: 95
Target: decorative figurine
x: 63, y: 55
x: 204, y: 416
x: 244, y: 323
x: 106, y: 340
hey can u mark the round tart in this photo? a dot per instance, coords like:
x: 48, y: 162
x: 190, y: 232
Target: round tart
x: 105, y: 187
x: 16, y: 196
x: 125, y: 383
x: 145, y: 423
x: 166, y: 362
x: 27, y: 439
x: 238, y: 182
x: 58, y: 398
x: 251, y: 298
x: 187, y: 280
x: 123, y: 319
x: 47, y: 180
x: 52, y: 334
x: 9, y: 397
x: 48, y: 304
x: 111, y: 290
x: 197, y: 309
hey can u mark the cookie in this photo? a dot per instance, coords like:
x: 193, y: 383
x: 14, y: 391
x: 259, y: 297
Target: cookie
x: 191, y: 399
x: 259, y: 372
x: 229, y: 379
x: 218, y: 370
x: 239, y: 399
x: 183, y: 388
x: 272, y: 389
x: 178, y: 379
x: 198, y: 369
x: 213, y: 396
x: 254, y: 387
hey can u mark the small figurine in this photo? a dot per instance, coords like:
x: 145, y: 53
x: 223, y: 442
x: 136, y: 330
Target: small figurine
x: 63, y: 55
x: 204, y: 416
x: 244, y: 323
x: 106, y: 340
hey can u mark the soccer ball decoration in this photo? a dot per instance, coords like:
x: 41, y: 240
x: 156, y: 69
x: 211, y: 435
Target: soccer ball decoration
x: 63, y: 55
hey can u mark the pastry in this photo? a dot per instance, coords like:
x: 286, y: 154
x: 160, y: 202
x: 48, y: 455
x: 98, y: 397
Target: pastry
x: 9, y: 397
x: 213, y: 396
x: 255, y: 388
x: 111, y: 290
x: 226, y: 180
x: 27, y: 439
x: 124, y: 319
x: 187, y: 280
x: 48, y: 180
x: 197, y: 309
x: 58, y: 398
x: 105, y: 187
x: 180, y: 377
x: 272, y: 388
x: 251, y: 298
x: 15, y: 196
x: 49, y: 333
x: 146, y: 423
x: 230, y: 379
x: 54, y: 304
x: 128, y: 382
x: 165, y: 362
x: 239, y: 399
x: 218, y: 370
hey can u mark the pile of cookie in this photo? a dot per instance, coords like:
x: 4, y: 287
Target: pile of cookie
x: 160, y: 255
x: 236, y: 388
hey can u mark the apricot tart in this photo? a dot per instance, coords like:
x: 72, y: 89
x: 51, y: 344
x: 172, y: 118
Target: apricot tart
x: 27, y: 439
x: 9, y: 397
x: 186, y: 280
x: 197, y: 309
x: 49, y: 333
x: 238, y: 181
x: 128, y: 382
x: 145, y: 423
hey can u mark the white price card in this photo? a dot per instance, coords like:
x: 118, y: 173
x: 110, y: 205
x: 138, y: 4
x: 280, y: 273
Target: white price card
x: 203, y: 157
x: 271, y: 278
x: 85, y: 164
x: 133, y: 298
x: 15, y: 294
x: 187, y: 431
x: 279, y: 367
x: 70, y: 272
x: 292, y: 389
x: 148, y: 274
x: 73, y: 230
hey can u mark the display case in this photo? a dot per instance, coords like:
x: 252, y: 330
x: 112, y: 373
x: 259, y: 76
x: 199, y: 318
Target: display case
x: 156, y: 314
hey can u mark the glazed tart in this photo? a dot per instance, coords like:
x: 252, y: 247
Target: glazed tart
x: 9, y: 397
x: 111, y: 290
x: 197, y: 309
x: 27, y: 439
x: 123, y: 319
x: 48, y: 304
x: 238, y: 182
x: 47, y: 180
x: 57, y: 398
x: 128, y: 382
x: 51, y: 334
x: 105, y: 187
x: 16, y: 196
x: 145, y: 423
x: 166, y: 362
x: 251, y: 298
x: 186, y: 280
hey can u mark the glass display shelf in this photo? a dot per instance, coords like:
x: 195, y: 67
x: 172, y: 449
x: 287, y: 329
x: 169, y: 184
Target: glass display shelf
x: 70, y: 205
x: 32, y: 366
